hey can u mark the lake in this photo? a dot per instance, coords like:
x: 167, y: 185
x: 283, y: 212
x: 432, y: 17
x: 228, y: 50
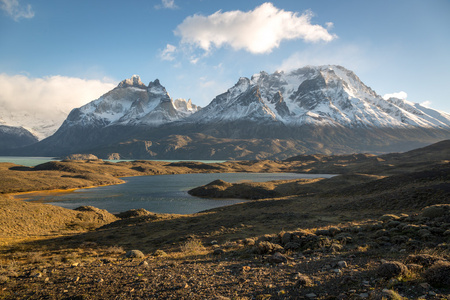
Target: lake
x: 158, y: 193
x: 25, y: 160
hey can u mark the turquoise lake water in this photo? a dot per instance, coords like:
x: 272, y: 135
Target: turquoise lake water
x: 26, y: 161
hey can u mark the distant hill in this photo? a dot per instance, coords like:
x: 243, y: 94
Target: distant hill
x: 14, y: 137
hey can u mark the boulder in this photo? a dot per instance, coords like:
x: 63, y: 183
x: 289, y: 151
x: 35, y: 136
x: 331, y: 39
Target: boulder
x: 81, y: 157
x: 134, y: 254
x: 391, y: 269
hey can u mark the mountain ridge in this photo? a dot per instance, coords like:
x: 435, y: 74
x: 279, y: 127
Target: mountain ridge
x: 324, y: 95
x: 15, y: 136
x: 324, y: 109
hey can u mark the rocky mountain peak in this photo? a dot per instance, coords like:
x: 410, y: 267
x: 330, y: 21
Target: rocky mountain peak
x: 155, y: 87
x: 134, y: 81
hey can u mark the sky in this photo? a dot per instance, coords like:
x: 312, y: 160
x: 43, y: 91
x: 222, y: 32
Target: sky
x: 63, y: 54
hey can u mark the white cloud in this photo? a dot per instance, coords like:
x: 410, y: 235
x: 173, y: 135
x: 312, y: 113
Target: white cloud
x: 168, y: 52
x: 426, y: 104
x: 256, y: 31
x: 352, y: 57
x: 400, y: 95
x: 15, y: 10
x: 48, y: 99
x: 170, y: 4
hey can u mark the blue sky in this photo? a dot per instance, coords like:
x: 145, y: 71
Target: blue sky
x: 393, y: 46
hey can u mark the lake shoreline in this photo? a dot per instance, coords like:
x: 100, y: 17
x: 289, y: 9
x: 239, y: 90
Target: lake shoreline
x: 161, y: 193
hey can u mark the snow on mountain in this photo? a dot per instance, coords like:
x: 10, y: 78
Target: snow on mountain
x: 15, y: 136
x: 132, y: 103
x: 323, y: 95
x: 38, y: 125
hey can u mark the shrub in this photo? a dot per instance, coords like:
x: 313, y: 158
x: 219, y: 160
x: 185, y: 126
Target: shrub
x: 438, y: 275
x: 115, y: 250
x: 3, y: 279
x: 392, y: 269
x: 192, y: 246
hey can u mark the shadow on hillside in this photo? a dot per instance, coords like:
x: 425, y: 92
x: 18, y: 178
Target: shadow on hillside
x: 168, y: 232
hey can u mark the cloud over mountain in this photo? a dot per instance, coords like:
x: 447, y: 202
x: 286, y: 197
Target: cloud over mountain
x: 49, y: 98
x: 256, y: 31
x: 400, y: 95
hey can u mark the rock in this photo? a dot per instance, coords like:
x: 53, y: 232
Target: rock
x: 277, y: 258
x: 159, y: 253
x: 302, y: 280
x: 218, y: 251
x: 342, y: 264
x: 311, y: 295
x: 292, y: 246
x: 438, y: 275
x: 286, y: 238
x: 214, y: 242
x: 364, y: 295
x: 436, y: 211
x: 425, y: 260
x: 106, y: 260
x: 425, y: 285
x: 266, y: 247
x: 334, y: 230
x: 414, y: 267
x: 391, y: 269
x: 81, y: 157
x: 246, y: 268
x: 390, y: 295
x: 143, y: 264
x: 134, y: 254
x: 113, y: 156
x: 322, y: 232
x: 134, y: 213
x: 100, y: 215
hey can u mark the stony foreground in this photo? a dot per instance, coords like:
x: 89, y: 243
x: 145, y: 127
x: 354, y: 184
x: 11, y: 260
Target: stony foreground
x: 389, y: 258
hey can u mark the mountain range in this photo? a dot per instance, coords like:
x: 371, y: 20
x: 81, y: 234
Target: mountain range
x: 315, y: 109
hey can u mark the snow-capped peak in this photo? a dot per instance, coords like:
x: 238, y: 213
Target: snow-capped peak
x: 130, y: 103
x: 322, y: 95
x: 134, y: 81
